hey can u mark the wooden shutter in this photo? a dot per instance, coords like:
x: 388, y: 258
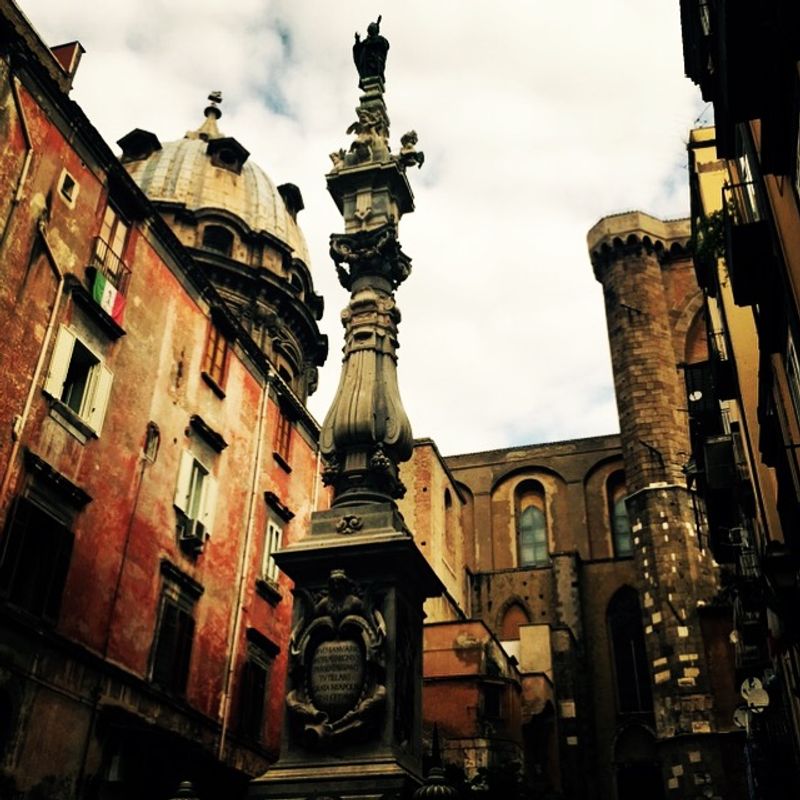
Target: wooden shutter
x: 62, y: 554
x: 164, y: 658
x: 17, y: 525
x: 252, y: 695
x: 184, y: 484
x: 100, y: 391
x: 183, y: 651
x: 209, y: 503
x: 59, y: 362
x: 173, y: 648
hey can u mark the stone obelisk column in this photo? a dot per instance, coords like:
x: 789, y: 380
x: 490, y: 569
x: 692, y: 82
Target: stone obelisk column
x: 353, y: 697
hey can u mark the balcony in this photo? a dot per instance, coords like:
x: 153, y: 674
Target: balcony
x: 749, y: 621
x: 726, y: 489
x: 749, y: 254
x: 108, y: 280
x: 698, y: 44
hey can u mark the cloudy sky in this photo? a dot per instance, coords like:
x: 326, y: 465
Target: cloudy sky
x: 536, y: 118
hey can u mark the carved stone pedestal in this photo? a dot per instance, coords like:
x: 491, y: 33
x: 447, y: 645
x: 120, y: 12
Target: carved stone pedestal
x: 352, y: 723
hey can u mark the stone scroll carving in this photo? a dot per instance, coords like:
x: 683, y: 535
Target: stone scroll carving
x: 337, y: 667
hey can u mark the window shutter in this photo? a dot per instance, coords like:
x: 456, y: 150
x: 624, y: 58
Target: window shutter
x: 252, y: 696
x: 209, y: 503
x: 184, y: 481
x: 11, y: 549
x: 62, y: 554
x: 164, y: 659
x: 183, y: 651
x: 98, y: 399
x: 59, y: 363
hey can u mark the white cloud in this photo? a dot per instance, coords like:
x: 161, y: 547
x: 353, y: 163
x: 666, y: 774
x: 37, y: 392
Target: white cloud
x: 536, y: 120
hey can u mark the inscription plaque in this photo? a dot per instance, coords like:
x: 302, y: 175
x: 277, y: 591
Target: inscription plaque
x: 337, y: 677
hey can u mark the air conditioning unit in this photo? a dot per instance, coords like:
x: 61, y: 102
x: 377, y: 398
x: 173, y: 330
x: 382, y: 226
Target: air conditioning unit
x: 191, y: 533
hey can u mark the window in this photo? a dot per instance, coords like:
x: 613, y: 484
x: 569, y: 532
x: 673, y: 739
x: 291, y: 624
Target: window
x: 215, y: 356
x: 621, y: 534
x: 218, y: 239
x: 172, y: 644
x: 492, y: 700
x: 195, y: 499
x: 283, y: 437
x: 531, y: 525
x: 34, y: 560
x: 449, y: 527
x: 152, y: 441
x: 628, y: 649
x: 109, y: 257
x: 532, y: 538
x: 68, y: 187
x: 79, y: 379
x: 272, y: 543
x: 253, y: 688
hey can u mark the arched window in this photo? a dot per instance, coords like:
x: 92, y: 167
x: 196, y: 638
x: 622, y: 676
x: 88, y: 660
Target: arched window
x: 449, y: 524
x: 631, y: 672
x: 621, y: 534
x: 218, y: 239
x: 531, y: 525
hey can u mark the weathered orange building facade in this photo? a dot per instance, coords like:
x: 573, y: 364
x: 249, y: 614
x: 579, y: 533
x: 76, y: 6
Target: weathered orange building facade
x: 153, y: 455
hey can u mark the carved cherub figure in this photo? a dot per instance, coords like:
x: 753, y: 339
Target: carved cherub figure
x: 337, y: 157
x: 409, y: 155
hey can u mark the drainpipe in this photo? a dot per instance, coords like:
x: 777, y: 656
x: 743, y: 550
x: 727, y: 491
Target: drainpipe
x: 26, y: 164
x: 238, y: 609
x: 314, y: 506
x: 21, y: 420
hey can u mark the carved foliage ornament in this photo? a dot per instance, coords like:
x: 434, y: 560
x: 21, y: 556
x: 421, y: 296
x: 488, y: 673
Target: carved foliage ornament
x: 337, y: 665
x: 370, y: 253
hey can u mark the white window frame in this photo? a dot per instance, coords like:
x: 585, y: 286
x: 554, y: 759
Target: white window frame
x: 196, y: 492
x: 97, y: 388
x: 273, y: 541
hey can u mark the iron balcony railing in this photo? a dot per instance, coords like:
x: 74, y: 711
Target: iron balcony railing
x: 110, y: 265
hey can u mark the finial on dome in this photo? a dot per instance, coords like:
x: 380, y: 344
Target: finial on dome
x: 209, y: 130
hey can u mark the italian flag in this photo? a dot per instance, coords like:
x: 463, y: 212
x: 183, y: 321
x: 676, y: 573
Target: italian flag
x: 108, y: 298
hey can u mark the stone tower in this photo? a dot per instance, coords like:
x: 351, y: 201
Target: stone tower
x: 650, y: 300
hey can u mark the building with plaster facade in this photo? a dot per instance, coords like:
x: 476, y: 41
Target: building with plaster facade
x: 155, y: 450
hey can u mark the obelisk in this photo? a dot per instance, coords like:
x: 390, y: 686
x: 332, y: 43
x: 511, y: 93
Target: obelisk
x: 353, y: 718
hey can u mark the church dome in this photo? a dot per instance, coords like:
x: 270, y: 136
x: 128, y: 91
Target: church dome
x: 207, y: 170
x: 241, y: 231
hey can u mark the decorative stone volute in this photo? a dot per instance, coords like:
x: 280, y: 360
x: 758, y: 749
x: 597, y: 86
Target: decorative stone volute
x: 366, y: 432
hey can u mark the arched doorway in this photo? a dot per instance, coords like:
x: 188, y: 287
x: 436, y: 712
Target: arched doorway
x: 636, y: 765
